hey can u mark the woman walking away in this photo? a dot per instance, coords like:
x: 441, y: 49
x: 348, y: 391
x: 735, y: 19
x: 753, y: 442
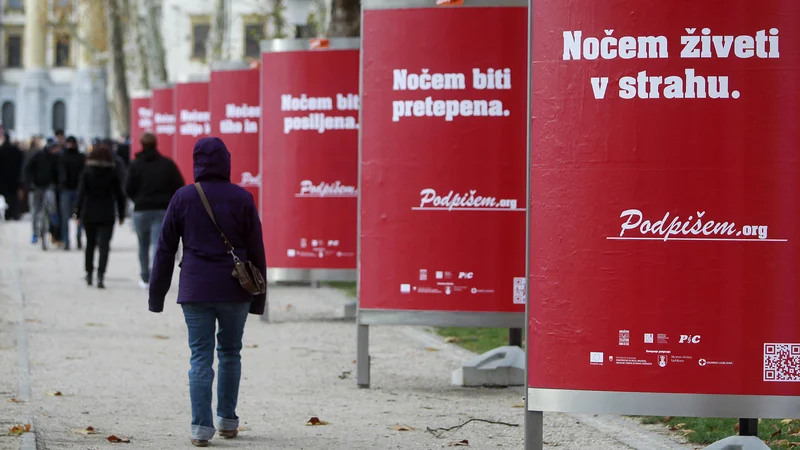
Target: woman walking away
x: 208, y: 293
x: 99, y: 190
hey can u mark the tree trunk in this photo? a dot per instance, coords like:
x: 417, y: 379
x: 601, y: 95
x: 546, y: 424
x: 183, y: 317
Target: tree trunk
x: 122, y: 102
x: 142, y: 65
x: 153, y: 15
x: 216, y: 36
x: 345, y: 18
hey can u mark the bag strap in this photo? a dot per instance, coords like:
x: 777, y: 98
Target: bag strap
x: 211, y: 215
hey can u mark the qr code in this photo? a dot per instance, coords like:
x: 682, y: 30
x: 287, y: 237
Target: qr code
x: 782, y: 362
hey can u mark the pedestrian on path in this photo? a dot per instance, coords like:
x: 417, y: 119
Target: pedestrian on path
x: 11, y: 161
x: 99, y: 190
x: 152, y: 180
x: 207, y: 292
x: 41, y: 176
x: 71, y: 167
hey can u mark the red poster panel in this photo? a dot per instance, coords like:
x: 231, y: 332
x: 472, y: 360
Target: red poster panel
x: 193, y: 122
x: 141, y: 121
x: 665, y: 196
x: 235, y: 115
x: 310, y: 158
x: 163, y: 104
x: 443, y: 159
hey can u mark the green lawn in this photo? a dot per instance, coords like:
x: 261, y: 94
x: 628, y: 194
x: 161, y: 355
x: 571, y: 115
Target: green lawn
x: 778, y: 434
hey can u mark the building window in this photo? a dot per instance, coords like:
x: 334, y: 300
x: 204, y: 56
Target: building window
x: 8, y: 116
x: 200, y: 32
x: 62, y: 47
x: 14, y: 5
x: 14, y: 50
x: 59, y: 115
x: 253, y: 35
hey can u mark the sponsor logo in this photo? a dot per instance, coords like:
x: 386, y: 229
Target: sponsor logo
x: 323, y: 189
x: 430, y: 200
x: 596, y: 358
x: 689, y: 339
x: 465, y: 275
x: 624, y: 337
x: 648, y: 338
x: 249, y: 180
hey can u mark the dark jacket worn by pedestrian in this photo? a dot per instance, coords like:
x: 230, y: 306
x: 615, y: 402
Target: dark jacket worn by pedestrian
x: 42, y: 169
x: 206, y: 267
x: 152, y: 180
x: 71, y: 166
x: 98, y: 191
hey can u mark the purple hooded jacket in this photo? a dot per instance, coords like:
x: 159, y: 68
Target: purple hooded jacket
x: 206, y: 267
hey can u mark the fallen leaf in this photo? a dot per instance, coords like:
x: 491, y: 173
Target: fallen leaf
x: 118, y: 440
x: 15, y: 400
x: 55, y: 394
x: 354, y: 361
x: 251, y: 346
x: 787, y: 421
x: 20, y: 429
x: 33, y: 321
x: 519, y: 405
x: 288, y: 307
x: 452, y: 339
x: 161, y: 336
x: 243, y: 429
x: 87, y: 431
x: 401, y: 428
x: 345, y: 375
x: 776, y: 433
x: 315, y: 421
x: 462, y: 443
x: 90, y: 324
x: 431, y: 349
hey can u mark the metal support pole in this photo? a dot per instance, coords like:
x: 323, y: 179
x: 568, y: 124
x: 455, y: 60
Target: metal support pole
x: 515, y: 337
x: 265, y: 316
x: 362, y: 356
x: 534, y: 430
x: 748, y: 427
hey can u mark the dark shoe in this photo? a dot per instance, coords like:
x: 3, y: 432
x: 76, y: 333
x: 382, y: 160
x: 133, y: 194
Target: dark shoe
x: 229, y: 434
x: 66, y: 247
x: 100, y: 284
x: 80, y: 244
x: 89, y: 279
x: 199, y: 442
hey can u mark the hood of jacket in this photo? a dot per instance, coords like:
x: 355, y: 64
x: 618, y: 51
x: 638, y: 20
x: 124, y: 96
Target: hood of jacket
x: 212, y: 160
x: 148, y: 154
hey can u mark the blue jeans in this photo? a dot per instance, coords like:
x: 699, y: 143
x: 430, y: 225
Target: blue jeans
x: 201, y: 320
x: 68, y: 201
x: 148, y: 230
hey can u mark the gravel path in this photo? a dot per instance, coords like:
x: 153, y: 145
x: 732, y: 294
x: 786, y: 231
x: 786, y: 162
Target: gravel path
x: 122, y: 370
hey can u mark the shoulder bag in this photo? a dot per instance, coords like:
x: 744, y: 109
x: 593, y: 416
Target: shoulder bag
x: 249, y: 276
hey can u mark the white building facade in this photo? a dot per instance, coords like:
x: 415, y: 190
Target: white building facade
x: 50, y: 80
x: 47, y: 81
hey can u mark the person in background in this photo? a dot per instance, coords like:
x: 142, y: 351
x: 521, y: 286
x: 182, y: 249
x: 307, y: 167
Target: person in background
x: 151, y: 183
x: 99, y: 190
x: 60, y: 138
x: 208, y: 294
x: 11, y: 161
x: 41, y: 176
x: 72, y: 162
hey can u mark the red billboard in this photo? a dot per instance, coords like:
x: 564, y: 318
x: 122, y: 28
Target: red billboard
x: 443, y: 159
x: 235, y: 114
x: 141, y: 121
x: 664, y: 245
x: 163, y: 104
x: 309, y: 143
x: 193, y: 122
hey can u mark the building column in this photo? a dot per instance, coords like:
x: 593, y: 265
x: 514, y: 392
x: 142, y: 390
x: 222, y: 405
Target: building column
x: 88, y: 111
x: 31, y: 96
